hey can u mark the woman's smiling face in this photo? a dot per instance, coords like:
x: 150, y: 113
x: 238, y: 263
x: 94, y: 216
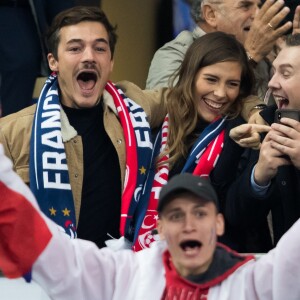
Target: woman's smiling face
x: 216, y: 87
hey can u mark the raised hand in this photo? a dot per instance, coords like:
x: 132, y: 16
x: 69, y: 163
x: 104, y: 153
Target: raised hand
x: 265, y: 29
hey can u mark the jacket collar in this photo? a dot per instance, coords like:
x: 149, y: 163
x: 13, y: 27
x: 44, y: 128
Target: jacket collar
x: 198, y: 32
x: 225, y: 262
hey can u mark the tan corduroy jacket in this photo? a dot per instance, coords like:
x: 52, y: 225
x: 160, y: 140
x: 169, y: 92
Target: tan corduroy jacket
x: 15, y: 133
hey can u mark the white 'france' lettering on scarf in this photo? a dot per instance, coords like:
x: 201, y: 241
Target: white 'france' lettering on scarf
x: 139, y: 119
x: 52, y: 160
x: 46, y: 104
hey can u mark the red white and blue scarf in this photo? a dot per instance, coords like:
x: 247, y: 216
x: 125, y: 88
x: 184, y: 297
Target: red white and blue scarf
x: 49, y: 177
x: 48, y: 169
x: 139, y: 148
x: 201, y: 161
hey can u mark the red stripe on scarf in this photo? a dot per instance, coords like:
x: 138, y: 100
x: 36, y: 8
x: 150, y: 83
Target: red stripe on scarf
x: 207, y: 162
x: 210, y: 156
x: 21, y: 241
x: 145, y: 236
x: 131, y: 154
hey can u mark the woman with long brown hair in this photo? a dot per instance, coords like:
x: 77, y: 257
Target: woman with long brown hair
x: 205, y: 103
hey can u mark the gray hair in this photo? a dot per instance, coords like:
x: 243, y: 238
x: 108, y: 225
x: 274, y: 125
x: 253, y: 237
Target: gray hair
x: 196, y: 12
x: 293, y: 40
x: 196, y: 9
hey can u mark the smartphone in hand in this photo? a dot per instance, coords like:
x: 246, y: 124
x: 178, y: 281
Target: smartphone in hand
x: 287, y: 113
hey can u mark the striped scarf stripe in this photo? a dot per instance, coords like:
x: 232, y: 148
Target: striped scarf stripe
x: 48, y: 169
x: 201, y: 161
x: 49, y: 176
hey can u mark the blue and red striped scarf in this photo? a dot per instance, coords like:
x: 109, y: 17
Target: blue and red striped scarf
x: 49, y: 177
x: 139, y: 148
x: 201, y: 161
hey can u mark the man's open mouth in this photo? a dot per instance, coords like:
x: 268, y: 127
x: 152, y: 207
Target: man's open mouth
x: 281, y: 101
x: 87, y: 80
x: 190, y: 246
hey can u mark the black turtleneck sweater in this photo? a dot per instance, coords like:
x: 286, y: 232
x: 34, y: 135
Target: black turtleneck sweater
x: 101, y: 191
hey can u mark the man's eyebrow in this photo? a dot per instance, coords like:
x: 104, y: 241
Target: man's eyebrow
x: 172, y: 209
x: 246, y: 2
x: 286, y: 66
x: 281, y: 67
x: 100, y: 40
x: 175, y: 209
x: 74, y: 41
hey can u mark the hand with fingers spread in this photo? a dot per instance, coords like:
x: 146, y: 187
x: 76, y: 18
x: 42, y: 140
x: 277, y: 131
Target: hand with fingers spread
x: 247, y: 135
x: 285, y: 138
x: 265, y: 29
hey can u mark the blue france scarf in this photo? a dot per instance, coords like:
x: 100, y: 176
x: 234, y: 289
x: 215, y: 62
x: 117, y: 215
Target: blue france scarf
x: 142, y: 206
x: 207, y: 135
x: 49, y: 177
x: 146, y: 214
x: 139, y: 147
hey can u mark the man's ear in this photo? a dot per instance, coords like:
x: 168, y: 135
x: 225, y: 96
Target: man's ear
x: 220, y: 226
x: 160, y: 229
x: 209, y: 15
x: 53, y: 64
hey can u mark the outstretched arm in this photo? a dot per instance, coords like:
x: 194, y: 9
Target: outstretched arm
x: 23, y: 231
x: 65, y: 268
x: 276, y: 275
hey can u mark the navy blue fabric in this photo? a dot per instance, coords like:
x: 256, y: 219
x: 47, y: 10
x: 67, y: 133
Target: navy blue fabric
x: 21, y: 52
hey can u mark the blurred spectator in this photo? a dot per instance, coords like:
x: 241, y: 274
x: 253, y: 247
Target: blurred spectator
x: 252, y: 27
x: 182, y: 19
x: 164, y: 20
x: 22, y: 51
x: 88, y: 2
